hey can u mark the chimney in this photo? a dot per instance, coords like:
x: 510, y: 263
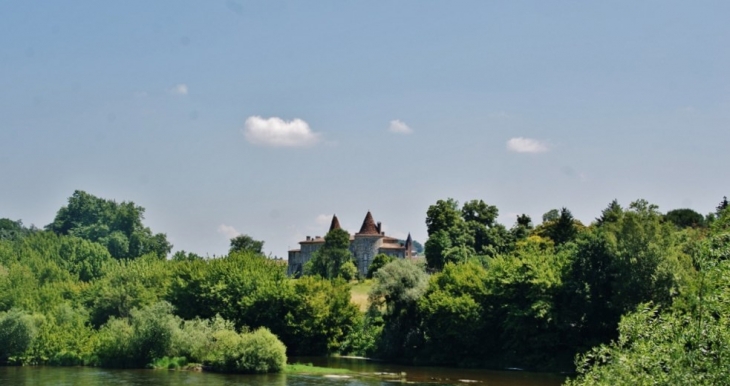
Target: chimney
x: 380, y: 227
x: 308, y: 238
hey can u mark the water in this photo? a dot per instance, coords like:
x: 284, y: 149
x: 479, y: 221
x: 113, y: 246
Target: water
x: 88, y: 376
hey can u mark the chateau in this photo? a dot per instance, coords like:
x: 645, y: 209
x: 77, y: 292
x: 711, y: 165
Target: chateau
x: 364, y: 245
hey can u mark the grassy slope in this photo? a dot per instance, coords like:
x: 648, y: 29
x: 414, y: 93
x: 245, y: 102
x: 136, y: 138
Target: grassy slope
x: 359, y: 293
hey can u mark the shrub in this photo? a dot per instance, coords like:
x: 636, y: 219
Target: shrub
x: 137, y: 341
x: 255, y: 352
x: 348, y: 271
x: 114, y: 347
x: 17, y: 332
x: 196, y: 338
x: 261, y: 352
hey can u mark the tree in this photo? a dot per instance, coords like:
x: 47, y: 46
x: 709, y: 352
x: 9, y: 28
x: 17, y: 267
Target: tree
x: 329, y: 259
x: 589, y: 290
x: 398, y: 287
x: 379, y: 261
x: 17, y: 332
x: 436, y: 246
x: 564, y: 229
x: 551, y: 215
x: 685, y: 218
x: 722, y: 206
x: 560, y: 229
x: 245, y: 243
x: 456, y: 235
x: 117, y: 226
x: 522, y: 227
x: 13, y: 230
x: 186, y: 256
x: 611, y: 214
x: 478, y: 211
x: 443, y: 216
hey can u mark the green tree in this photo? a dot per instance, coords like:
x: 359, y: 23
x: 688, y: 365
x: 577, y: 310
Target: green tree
x: 721, y: 206
x: 657, y: 346
x: 437, y: 245
x: 186, y: 256
x: 329, y: 259
x: 379, y: 261
x: 319, y: 316
x: 17, y: 332
x: 117, y: 226
x: 562, y: 229
x: 13, y: 230
x: 398, y: 287
x: 478, y: 211
x: 243, y: 243
x: 611, y: 214
x: 126, y: 285
x: 522, y: 227
x: 443, y: 216
x: 453, y: 315
x: 551, y: 215
x: 685, y: 218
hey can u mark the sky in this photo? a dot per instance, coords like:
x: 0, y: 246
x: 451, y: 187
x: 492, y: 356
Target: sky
x: 265, y: 118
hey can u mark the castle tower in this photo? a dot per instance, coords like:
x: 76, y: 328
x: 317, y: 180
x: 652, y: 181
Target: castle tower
x: 409, y: 246
x: 335, y: 223
x: 366, y: 243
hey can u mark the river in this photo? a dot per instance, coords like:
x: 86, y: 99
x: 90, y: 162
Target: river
x: 89, y: 376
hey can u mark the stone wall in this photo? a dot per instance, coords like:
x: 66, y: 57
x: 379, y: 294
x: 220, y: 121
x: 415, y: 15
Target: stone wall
x: 297, y: 259
x: 364, y: 248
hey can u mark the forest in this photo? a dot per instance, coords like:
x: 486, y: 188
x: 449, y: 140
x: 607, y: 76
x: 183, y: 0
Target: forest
x: 637, y: 295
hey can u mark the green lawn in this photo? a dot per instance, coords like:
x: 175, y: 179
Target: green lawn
x: 359, y: 293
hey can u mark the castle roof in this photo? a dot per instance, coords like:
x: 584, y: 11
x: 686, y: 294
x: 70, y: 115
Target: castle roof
x: 368, y: 226
x: 335, y: 223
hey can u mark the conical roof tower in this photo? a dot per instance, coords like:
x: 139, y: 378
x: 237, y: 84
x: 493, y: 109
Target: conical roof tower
x: 335, y: 223
x: 409, y: 245
x: 368, y: 226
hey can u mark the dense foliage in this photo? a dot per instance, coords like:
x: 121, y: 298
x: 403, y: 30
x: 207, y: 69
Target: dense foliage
x: 67, y: 299
x: 116, y: 226
x: 535, y: 296
x: 637, y: 295
x: 333, y: 259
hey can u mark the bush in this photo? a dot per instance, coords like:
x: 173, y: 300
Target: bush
x: 348, y: 271
x: 64, y: 337
x: 196, y: 338
x: 256, y: 352
x: 261, y: 352
x: 17, y: 332
x: 114, y: 347
x: 139, y: 340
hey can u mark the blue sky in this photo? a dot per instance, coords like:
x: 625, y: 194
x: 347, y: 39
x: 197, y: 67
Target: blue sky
x: 224, y: 117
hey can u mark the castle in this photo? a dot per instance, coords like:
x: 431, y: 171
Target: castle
x: 364, y: 245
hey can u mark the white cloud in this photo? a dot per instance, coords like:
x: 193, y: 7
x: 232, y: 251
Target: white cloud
x: 526, y: 145
x: 323, y: 219
x: 399, y: 127
x: 228, y: 231
x: 276, y: 132
x: 180, y: 89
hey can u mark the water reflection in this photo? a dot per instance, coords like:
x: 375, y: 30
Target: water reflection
x: 443, y: 375
x: 71, y: 376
